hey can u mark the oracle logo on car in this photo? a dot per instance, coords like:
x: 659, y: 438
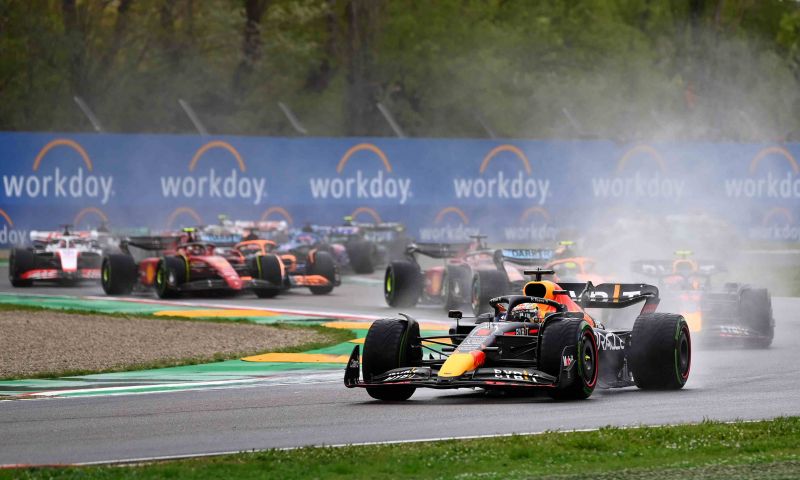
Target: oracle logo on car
x: 234, y: 186
x: 640, y: 184
x: 502, y: 186
x: 361, y: 185
x: 8, y: 234
x: 768, y: 184
x: 534, y: 226
x: 451, y: 224
x: 779, y: 224
x: 58, y: 183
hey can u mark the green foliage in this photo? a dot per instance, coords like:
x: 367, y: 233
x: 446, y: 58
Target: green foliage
x: 622, y: 69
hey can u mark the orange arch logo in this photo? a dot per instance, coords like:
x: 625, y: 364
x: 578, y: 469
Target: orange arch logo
x: 364, y: 147
x: 770, y: 151
x: 87, y: 211
x: 773, y: 215
x: 506, y: 148
x: 62, y: 142
x: 279, y: 211
x: 535, y: 211
x: 217, y: 144
x: 6, y: 217
x: 640, y: 151
x: 368, y: 211
x: 454, y: 210
x: 183, y: 211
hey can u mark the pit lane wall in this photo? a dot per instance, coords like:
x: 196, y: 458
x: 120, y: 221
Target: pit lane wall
x: 518, y: 191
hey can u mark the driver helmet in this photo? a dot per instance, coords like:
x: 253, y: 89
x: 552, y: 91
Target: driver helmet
x: 526, y: 312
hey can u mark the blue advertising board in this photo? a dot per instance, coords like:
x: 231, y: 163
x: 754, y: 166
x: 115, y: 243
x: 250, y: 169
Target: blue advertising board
x: 522, y: 191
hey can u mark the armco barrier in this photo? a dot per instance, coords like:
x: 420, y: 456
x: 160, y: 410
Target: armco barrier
x: 516, y: 190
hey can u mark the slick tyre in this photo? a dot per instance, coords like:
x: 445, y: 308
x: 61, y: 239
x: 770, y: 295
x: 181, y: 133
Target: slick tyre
x: 578, y: 337
x: 456, y: 286
x: 402, y: 284
x: 486, y: 284
x: 660, y: 355
x: 20, y: 261
x: 391, y: 343
x: 269, y: 268
x: 170, y: 274
x: 118, y: 274
x: 756, y: 309
x: 362, y: 256
x: 321, y: 263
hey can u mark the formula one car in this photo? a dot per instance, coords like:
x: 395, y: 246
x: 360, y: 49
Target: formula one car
x: 737, y: 314
x: 472, y: 274
x: 173, y: 265
x: 543, y: 339
x: 62, y: 256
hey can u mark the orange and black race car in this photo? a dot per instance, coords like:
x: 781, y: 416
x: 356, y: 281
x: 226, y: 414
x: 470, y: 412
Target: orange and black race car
x: 542, y: 339
x: 173, y: 265
x: 737, y: 314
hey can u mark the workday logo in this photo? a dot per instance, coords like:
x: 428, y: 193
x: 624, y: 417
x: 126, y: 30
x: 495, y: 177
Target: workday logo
x: 234, y: 186
x: 451, y: 224
x: 769, y: 183
x: 641, y: 184
x: 361, y: 185
x: 8, y: 234
x: 534, y: 226
x: 79, y: 183
x: 500, y: 185
x: 777, y: 224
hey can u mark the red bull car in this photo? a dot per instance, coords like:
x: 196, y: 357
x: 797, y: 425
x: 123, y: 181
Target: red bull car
x: 540, y: 340
x: 737, y: 314
x: 472, y: 273
x: 60, y: 256
x: 173, y: 265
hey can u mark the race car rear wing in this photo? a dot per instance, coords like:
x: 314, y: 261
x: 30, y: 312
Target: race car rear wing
x: 663, y: 268
x: 150, y: 243
x: 438, y: 250
x: 613, y: 295
x: 525, y: 256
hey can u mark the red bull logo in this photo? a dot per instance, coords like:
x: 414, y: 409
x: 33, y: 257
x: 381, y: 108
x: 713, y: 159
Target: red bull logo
x: 777, y: 224
x: 769, y: 184
x: 234, y: 186
x: 61, y: 183
x: 450, y: 224
x: 359, y: 184
x: 8, y: 234
x: 646, y: 182
x: 534, y: 226
x: 502, y: 185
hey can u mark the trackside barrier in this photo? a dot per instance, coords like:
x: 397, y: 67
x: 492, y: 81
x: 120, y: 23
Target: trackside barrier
x: 520, y: 191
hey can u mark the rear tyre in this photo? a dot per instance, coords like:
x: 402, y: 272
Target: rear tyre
x: 361, y: 254
x: 20, y: 261
x: 756, y: 308
x: 322, y: 263
x: 402, y: 284
x: 456, y: 286
x: 118, y: 274
x: 270, y: 269
x: 170, y: 274
x: 390, y: 344
x: 660, y: 355
x: 558, y: 335
x: 486, y: 284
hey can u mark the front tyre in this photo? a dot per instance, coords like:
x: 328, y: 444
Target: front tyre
x: 402, y: 284
x: 322, y: 263
x: 170, y: 274
x: 756, y: 308
x: 391, y: 343
x: 660, y: 354
x: 20, y: 261
x: 560, y: 334
x: 361, y: 254
x: 269, y: 268
x: 118, y: 274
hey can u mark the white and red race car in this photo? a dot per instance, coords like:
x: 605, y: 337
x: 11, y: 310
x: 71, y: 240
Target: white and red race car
x: 61, y: 256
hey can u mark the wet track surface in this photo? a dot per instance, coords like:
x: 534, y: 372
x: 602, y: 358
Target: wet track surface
x: 725, y: 384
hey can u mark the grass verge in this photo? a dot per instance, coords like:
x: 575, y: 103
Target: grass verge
x: 332, y: 336
x: 709, y: 450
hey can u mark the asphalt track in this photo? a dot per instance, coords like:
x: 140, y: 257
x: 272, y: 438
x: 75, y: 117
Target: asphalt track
x: 725, y: 384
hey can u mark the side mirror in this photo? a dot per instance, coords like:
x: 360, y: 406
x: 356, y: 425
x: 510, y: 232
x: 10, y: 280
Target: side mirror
x: 455, y: 314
